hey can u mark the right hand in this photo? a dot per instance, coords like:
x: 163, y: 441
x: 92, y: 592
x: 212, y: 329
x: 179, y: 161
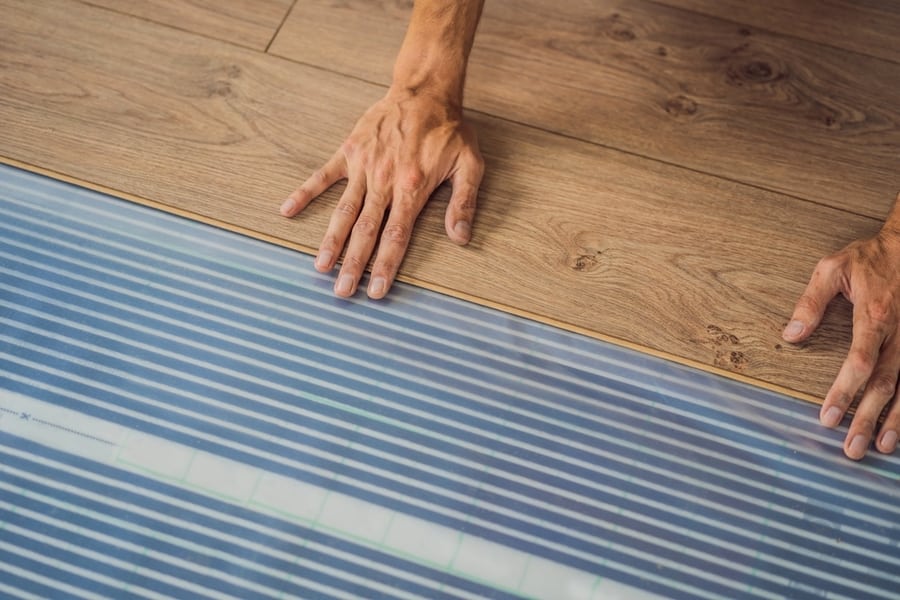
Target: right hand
x: 400, y: 151
x: 866, y: 272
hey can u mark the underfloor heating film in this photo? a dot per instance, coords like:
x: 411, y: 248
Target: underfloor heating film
x: 189, y: 413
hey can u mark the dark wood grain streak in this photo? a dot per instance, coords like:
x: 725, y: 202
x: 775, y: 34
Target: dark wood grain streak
x: 765, y: 109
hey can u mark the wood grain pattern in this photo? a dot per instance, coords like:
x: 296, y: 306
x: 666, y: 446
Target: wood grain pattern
x: 685, y: 264
x: 773, y: 111
x: 866, y: 26
x: 250, y: 23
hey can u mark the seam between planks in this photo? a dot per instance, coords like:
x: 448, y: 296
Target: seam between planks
x: 287, y: 15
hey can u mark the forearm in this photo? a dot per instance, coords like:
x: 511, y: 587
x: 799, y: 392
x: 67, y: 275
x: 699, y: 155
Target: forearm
x: 436, y: 48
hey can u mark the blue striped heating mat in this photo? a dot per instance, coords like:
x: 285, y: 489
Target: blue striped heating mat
x: 189, y: 413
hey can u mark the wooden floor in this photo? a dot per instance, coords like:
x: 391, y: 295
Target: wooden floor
x: 663, y: 174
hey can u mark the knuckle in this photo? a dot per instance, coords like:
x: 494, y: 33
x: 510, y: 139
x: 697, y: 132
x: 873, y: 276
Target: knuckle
x: 880, y: 311
x: 477, y: 162
x: 383, y: 175
x: 366, y: 225
x: 329, y: 242
x: 843, y: 400
x: 808, y: 303
x: 386, y: 267
x: 882, y: 387
x: 396, y: 233
x: 346, y: 207
x: 863, y: 423
x: 348, y: 147
x: 467, y: 202
x: 412, y: 180
x: 353, y: 264
x: 829, y: 263
x: 319, y: 177
x: 376, y: 199
x: 861, y: 361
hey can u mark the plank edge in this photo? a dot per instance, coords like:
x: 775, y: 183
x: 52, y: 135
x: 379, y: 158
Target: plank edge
x: 546, y: 320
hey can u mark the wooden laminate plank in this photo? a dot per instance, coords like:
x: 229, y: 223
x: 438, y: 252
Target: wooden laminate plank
x: 250, y: 23
x: 866, y: 26
x: 769, y: 110
x: 675, y: 262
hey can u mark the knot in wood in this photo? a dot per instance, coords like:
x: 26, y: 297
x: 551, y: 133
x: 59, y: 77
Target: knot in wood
x: 757, y: 70
x: 681, y: 106
x: 219, y: 88
x: 622, y: 34
x: 587, y: 261
x: 754, y: 72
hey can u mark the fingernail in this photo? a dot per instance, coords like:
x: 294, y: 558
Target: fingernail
x: 323, y: 260
x: 344, y: 285
x: 832, y: 417
x: 288, y: 207
x: 858, y: 446
x: 462, y: 229
x: 793, y: 329
x: 377, y: 287
x: 889, y: 441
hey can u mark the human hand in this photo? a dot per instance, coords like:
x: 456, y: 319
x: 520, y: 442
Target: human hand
x: 400, y: 151
x: 866, y: 272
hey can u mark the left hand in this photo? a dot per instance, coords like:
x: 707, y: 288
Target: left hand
x: 867, y: 273
x: 401, y: 149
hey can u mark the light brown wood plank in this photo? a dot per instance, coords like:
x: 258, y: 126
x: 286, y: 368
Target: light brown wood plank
x: 250, y: 23
x: 869, y: 27
x: 675, y: 262
x: 772, y: 111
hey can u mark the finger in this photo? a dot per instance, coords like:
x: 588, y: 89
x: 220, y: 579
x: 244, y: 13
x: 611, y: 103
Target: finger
x: 824, y: 284
x: 461, y: 209
x: 318, y: 182
x: 880, y: 389
x: 341, y: 222
x: 890, y: 429
x: 362, y: 243
x: 856, y: 370
x: 395, y: 241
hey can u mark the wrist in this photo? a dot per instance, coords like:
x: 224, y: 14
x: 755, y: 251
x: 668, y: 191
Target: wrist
x: 427, y: 72
x: 436, y: 47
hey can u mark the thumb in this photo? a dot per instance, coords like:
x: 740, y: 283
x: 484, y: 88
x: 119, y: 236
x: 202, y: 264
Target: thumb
x: 461, y: 209
x: 810, y: 308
